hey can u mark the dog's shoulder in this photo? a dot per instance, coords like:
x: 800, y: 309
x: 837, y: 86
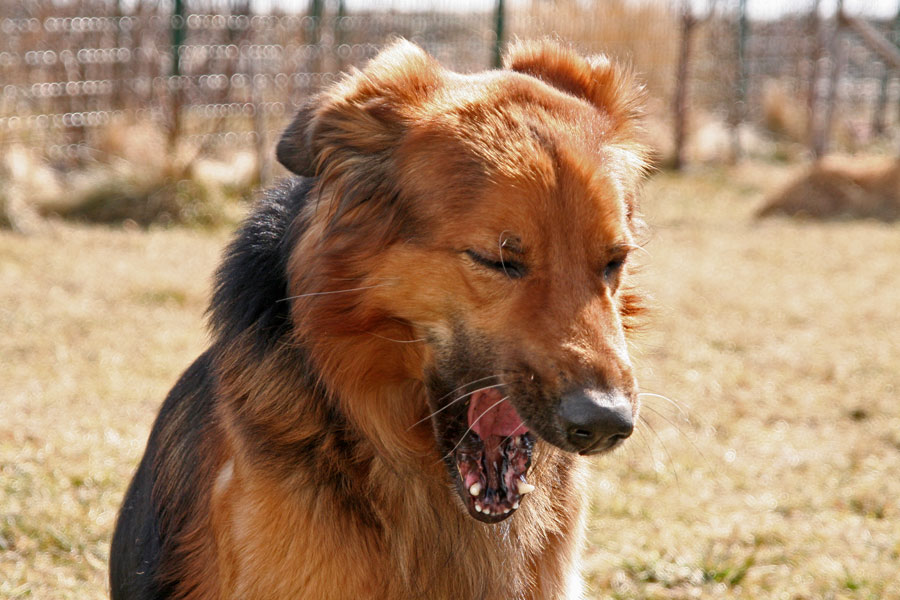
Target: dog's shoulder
x: 177, y: 454
x: 251, y: 283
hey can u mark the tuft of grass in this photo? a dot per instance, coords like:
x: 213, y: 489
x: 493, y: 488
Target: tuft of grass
x: 842, y: 188
x: 135, y: 179
x: 111, y: 196
x: 728, y: 573
x: 163, y: 296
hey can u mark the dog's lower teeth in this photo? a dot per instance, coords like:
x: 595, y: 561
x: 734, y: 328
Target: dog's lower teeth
x: 477, y: 508
x: 475, y: 489
x: 516, y: 505
x: 525, y: 488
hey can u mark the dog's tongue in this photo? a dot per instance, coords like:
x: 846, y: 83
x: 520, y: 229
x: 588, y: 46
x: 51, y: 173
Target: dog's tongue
x: 492, y: 416
x: 493, y: 464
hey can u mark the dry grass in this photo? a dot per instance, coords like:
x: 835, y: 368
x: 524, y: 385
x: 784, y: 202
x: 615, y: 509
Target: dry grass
x: 777, y: 337
x: 842, y: 187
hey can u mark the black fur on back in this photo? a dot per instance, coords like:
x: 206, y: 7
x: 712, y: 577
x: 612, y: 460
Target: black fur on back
x: 138, y: 545
x: 250, y: 295
x: 251, y: 284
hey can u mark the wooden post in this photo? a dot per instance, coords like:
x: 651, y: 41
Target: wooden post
x: 878, y: 113
x: 681, y: 86
x: 118, y: 73
x: 316, y: 12
x: 836, y: 50
x: 872, y: 37
x: 740, y: 105
x: 176, y: 96
x: 879, y: 118
x: 499, y: 25
x: 340, y: 35
x: 812, y: 98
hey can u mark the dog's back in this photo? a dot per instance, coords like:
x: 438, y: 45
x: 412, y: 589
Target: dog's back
x: 169, y: 496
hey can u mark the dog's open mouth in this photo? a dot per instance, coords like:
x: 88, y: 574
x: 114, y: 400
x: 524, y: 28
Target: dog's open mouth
x: 493, y: 457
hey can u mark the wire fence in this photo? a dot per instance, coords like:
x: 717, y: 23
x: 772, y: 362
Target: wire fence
x: 229, y: 73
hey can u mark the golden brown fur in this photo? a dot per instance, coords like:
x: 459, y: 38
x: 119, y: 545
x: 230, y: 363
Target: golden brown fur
x: 313, y: 469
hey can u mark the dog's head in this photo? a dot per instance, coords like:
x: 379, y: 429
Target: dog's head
x: 474, y: 237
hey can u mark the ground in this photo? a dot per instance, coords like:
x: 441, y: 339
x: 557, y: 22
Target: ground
x: 770, y: 470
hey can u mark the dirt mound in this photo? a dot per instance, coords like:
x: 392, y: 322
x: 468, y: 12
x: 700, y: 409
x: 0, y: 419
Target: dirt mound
x: 842, y: 188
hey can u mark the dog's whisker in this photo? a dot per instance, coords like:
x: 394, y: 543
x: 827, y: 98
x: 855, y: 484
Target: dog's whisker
x: 665, y: 450
x: 674, y: 403
x: 466, y: 432
x: 682, y: 433
x: 479, y: 380
x: 398, y: 341
x: 326, y: 293
x: 500, y: 244
x: 452, y: 402
x: 641, y: 248
x: 643, y: 437
x: 366, y: 277
x: 660, y: 414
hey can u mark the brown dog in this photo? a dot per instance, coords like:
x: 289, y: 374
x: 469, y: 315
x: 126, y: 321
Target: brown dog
x: 413, y: 345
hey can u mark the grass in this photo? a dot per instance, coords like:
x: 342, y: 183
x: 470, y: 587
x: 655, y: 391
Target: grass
x: 777, y: 338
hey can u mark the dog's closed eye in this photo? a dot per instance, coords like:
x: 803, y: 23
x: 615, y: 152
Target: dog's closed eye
x: 612, y: 270
x: 511, y: 268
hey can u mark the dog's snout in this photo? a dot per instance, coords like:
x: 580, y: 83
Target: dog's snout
x: 595, y: 420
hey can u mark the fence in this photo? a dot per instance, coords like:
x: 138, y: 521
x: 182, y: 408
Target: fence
x: 228, y: 73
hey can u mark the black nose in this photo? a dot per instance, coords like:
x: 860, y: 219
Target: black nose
x: 595, y: 420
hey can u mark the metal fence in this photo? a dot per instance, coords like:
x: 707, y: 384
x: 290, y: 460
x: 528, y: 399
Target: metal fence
x: 228, y: 73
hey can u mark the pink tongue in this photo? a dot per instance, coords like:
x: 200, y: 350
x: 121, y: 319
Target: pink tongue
x: 488, y: 416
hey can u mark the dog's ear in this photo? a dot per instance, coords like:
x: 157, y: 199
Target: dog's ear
x: 350, y: 130
x: 608, y: 86
x: 294, y: 150
x: 597, y: 79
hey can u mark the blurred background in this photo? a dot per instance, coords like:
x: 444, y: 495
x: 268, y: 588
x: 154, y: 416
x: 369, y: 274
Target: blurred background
x: 200, y: 89
x: 135, y: 133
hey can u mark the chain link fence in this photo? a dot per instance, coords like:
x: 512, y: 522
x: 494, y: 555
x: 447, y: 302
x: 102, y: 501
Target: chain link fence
x: 226, y: 74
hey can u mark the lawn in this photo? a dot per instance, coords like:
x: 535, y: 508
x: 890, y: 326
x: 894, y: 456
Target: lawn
x: 767, y: 467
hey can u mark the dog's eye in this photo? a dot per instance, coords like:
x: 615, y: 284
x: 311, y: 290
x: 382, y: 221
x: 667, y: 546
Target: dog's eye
x: 612, y: 270
x: 511, y: 268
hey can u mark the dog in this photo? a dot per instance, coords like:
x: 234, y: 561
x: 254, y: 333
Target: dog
x: 416, y: 344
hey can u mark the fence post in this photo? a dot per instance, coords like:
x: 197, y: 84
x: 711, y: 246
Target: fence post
x: 178, y: 26
x: 340, y: 33
x: 879, y: 121
x: 812, y: 93
x: 316, y: 10
x: 263, y: 165
x: 836, y: 49
x: 499, y: 24
x: 681, y: 85
x: 118, y: 76
x: 740, y: 106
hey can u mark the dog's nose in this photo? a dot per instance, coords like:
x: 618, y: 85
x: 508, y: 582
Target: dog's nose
x: 595, y: 420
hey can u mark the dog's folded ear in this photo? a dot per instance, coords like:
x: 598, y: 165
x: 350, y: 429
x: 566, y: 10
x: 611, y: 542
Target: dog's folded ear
x: 359, y: 121
x: 608, y: 86
x: 294, y: 148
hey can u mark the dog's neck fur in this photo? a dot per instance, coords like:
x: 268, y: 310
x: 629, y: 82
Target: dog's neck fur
x: 373, y: 502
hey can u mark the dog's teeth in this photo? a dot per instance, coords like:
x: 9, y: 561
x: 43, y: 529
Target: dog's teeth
x: 475, y: 489
x: 525, y: 487
x: 477, y: 507
x: 516, y: 505
x: 507, y: 511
